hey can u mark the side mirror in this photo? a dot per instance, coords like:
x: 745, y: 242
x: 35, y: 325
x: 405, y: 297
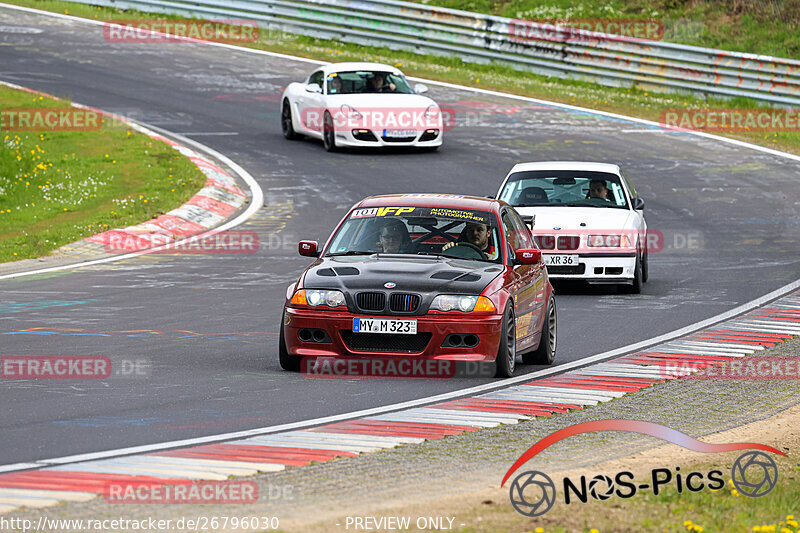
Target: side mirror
x: 528, y: 256
x: 313, y: 88
x: 420, y: 88
x: 638, y: 204
x: 308, y: 248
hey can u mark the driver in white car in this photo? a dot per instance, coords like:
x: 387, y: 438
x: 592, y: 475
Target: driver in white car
x: 598, y: 189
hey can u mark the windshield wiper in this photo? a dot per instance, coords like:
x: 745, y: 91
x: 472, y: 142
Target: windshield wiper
x: 434, y: 254
x: 579, y: 204
x: 351, y: 252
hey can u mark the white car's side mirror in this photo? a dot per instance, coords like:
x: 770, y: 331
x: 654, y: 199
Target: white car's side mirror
x: 313, y: 88
x: 420, y: 88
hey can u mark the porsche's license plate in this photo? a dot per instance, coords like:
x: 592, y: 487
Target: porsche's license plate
x: 384, y: 325
x: 561, y: 260
x: 399, y: 133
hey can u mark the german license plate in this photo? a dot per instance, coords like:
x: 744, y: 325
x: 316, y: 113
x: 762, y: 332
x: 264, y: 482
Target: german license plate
x: 399, y: 133
x: 561, y: 260
x: 384, y: 325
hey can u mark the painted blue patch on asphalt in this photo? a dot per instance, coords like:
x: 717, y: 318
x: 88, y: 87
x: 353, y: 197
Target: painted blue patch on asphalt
x: 42, y: 304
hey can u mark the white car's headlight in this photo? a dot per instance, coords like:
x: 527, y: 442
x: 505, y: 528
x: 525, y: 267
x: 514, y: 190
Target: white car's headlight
x: 608, y: 241
x: 350, y: 112
x: 463, y: 303
x: 317, y: 297
x: 432, y: 112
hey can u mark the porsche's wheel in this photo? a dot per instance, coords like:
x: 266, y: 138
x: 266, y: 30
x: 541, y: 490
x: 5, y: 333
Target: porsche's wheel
x: 328, y: 133
x: 545, y: 353
x: 287, y: 127
x: 645, y: 269
x: 507, y: 351
x: 288, y: 361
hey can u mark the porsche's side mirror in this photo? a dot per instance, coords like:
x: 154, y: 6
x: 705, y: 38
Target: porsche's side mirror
x: 313, y: 88
x: 528, y: 256
x: 420, y: 88
x: 638, y: 204
x: 308, y: 248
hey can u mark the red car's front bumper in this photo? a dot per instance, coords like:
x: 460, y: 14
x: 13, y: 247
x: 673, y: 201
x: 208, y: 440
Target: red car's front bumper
x: 342, y: 342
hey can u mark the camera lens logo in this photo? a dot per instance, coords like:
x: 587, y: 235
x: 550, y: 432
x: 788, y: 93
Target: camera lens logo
x: 539, y: 489
x: 754, y: 474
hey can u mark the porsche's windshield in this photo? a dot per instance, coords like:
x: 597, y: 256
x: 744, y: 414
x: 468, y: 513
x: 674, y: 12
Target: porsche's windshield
x: 367, y: 81
x: 564, y: 188
x: 409, y: 230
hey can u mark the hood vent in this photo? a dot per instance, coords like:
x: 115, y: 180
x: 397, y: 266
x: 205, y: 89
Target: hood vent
x: 455, y: 275
x: 340, y: 271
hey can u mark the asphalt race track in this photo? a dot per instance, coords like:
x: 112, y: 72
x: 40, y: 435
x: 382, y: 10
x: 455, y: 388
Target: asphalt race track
x: 208, y: 325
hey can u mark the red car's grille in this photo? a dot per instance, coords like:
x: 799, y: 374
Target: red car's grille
x: 385, y: 342
x: 371, y: 301
x: 403, y: 303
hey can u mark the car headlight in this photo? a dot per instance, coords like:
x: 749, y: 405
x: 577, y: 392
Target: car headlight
x: 604, y: 241
x: 316, y: 297
x: 463, y: 303
x: 350, y: 112
x: 432, y: 112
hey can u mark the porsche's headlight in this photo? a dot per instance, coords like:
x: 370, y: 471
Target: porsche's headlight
x: 432, y: 112
x: 463, y: 303
x: 350, y: 112
x: 316, y: 297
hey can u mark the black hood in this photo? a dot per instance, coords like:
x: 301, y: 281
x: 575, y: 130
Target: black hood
x: 424, y: 276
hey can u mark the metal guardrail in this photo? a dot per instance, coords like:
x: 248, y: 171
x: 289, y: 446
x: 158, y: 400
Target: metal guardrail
x: 574, y: 54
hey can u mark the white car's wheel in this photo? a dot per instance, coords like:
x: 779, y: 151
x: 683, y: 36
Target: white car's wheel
x: 287, y: 127
x: 328, y: 133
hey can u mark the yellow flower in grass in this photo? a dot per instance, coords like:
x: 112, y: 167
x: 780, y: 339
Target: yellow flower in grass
x: 687, y: 524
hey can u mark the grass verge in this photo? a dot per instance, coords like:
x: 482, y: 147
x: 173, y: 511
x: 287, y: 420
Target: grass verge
x: 636, y: 102
x: 57, y: 187
x: 767, y: 27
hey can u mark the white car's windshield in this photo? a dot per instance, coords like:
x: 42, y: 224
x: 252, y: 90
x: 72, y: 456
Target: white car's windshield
x: 367, y: 81
x: 536, y: 188
x: 449, y: 232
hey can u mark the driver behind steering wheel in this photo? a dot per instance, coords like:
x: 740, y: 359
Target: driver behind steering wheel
x: 476, y: 234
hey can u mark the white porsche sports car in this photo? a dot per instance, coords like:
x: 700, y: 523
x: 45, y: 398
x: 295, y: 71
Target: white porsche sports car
x: 361, y: 104
x: 587, y: 219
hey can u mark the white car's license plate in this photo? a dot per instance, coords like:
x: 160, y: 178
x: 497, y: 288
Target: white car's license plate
x: 384, y: 325
x: 561, y: 260
x: 399, y: 133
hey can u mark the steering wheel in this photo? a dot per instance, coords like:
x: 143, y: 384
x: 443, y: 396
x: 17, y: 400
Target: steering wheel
x: 468, y: 251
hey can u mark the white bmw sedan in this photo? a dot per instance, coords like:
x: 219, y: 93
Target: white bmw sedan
x: 587, y: 219
x: 361, y: 105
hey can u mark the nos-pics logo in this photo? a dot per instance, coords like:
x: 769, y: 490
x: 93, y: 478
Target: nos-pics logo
x: 533, y: 493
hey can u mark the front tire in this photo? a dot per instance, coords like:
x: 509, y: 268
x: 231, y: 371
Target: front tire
x: 645, y: 267
x: 328, y: 133
x: 507, y: 351
x: 636, y: 286
x: 545, y: 353
x: 288, y: 361
x: 287, y: 126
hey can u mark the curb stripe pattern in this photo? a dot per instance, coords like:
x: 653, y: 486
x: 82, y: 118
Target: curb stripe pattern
x: 736, y: 338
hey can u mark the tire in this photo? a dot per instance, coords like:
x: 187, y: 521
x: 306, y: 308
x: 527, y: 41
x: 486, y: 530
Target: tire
x: 328, y: 133
x: 287, y: 127
x: 545, y: 353
x: 288, y: 361
x: 636, y: 287
x: 645, y: 268
x: 507, y: 351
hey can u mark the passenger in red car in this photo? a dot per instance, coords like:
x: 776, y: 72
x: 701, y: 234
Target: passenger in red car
x: 394, y: 237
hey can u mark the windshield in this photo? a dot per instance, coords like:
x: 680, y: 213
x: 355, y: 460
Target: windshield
x: 564, y: 187
x: 409, y: 230
x: 367, y: 81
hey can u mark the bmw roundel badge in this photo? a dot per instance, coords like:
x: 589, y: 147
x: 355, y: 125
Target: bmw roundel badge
x: 390, y: 285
